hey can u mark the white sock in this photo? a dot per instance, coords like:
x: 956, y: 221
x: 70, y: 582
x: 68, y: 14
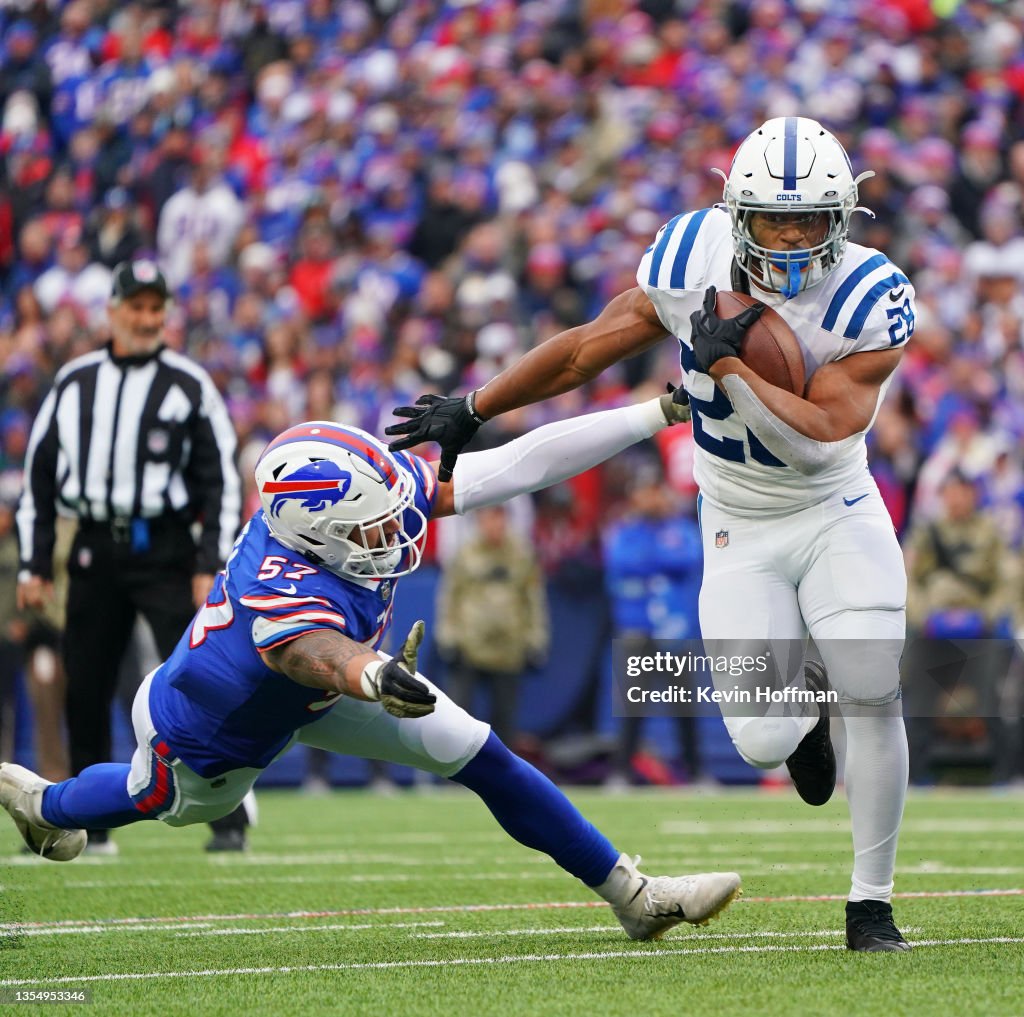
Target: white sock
x: 622, y: 882
x: 877, y: 768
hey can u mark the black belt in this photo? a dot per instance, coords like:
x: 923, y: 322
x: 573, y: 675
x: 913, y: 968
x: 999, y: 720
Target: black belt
x: 134, y: 530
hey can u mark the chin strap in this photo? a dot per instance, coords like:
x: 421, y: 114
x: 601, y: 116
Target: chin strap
x: 803, y: 454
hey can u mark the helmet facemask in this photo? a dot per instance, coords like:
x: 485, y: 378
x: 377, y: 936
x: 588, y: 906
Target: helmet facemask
x: 373, y: 550
x: 790, y: 166
x: 788, y: 272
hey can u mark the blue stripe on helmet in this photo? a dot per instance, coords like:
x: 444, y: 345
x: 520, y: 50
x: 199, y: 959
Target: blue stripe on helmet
x: 850, y: 283
x: 789, y: 155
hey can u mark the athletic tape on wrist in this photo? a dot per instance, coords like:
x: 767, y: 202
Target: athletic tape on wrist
x: 368, y: 680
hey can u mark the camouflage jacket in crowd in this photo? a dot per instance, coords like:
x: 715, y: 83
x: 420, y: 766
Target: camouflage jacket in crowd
x: 492, y: 609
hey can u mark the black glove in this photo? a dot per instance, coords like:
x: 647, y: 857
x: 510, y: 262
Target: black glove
x: 713, y: 337
x: 675, y: 405
x: 395, y: 684
x: 449, y: 421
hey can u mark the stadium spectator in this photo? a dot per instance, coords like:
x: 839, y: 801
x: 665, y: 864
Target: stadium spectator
x: 653, y: 562
x: 959, y: 568
x: 74, y: 279
x: 207, y: 211
x: 114, y: 235
x: 160, y: 457
x: 23, y: 67
x: 492, y: 619
x: 30, y: 645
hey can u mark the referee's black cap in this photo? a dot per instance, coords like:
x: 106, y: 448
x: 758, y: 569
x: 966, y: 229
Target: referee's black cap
x: 131, y: 277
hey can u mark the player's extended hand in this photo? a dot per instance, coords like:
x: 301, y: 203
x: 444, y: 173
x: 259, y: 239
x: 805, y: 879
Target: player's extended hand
x: 713, y: 337
x: 395, y: 684
x: 449, y: 421
x: 675, y: 405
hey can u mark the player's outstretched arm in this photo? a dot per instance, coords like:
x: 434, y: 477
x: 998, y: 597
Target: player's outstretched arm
x: 628, y: 325
x: 550, y: 454
x: 325, y: 659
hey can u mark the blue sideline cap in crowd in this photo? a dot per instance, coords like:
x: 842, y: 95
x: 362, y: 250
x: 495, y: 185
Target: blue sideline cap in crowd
x: 131, y: 277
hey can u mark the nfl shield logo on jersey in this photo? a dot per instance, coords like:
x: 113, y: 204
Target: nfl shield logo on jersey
x: 721, y: 538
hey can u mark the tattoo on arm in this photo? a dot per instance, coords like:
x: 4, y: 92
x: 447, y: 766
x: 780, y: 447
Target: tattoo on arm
x: 317, y: 659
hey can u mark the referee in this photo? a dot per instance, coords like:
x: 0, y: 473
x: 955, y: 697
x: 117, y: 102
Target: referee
x: 135, y: 441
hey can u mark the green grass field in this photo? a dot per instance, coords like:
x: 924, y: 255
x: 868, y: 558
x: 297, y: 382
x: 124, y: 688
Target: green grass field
x: 418, y: 904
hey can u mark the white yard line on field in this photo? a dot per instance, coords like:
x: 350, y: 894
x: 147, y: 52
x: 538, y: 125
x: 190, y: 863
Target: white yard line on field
x: 799, y: 827
x: 615, y: 928
x: 646, y: 954
x: 193, y: 921
x: 364, y: 877
x: 346, y: 858
x: 14, y: 931
x: 307, y: 928
x: 752, y: 868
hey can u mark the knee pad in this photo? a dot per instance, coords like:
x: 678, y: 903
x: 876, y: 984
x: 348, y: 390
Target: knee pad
x: 765, y: 742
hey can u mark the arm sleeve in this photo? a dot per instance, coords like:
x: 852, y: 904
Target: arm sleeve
x: 551, y: 454
x: 805, y: 455
x: 37, y: 507
x: 213, y: 482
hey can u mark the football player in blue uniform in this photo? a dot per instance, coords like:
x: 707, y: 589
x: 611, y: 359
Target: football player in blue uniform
x: 285, y: 650
x: 796, y: 538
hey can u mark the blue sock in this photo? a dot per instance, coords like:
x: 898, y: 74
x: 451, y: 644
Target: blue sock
x: 533, y: 811
x: 97, y: 799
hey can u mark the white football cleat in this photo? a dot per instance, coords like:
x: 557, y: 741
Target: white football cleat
x: 648, y: 906
x: 21, y: 794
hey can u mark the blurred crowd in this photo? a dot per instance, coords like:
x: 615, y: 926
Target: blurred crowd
x: 357, y: 201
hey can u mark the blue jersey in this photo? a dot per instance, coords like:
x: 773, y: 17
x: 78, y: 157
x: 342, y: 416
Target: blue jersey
x: 214, y: 701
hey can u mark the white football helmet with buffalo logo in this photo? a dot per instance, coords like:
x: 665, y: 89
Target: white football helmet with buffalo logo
x: 790, y: 165
x: 337, y: 496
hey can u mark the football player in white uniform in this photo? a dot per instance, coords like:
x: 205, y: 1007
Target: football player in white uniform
x: 796, y: 538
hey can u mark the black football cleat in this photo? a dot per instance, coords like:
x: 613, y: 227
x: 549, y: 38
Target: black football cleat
x: 870, y: 928
x: 226, y: 840
x: 813, y: 763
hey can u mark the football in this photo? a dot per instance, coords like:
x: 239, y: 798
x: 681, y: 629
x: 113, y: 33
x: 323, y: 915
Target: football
x: 770, y: 348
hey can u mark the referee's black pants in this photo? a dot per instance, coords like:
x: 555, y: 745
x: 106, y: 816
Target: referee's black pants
x: 110, y: 581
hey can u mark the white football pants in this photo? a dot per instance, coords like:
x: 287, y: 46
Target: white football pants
x: 442, y: 742
x: 835, y: 571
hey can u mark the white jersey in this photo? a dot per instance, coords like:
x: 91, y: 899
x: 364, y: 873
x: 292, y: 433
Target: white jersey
x: 865, y: 304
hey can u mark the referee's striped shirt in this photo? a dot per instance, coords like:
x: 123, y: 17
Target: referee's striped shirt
x: 130, y: 437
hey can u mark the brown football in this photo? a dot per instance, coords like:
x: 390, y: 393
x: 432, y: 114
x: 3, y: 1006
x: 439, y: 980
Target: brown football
x: 770, y: 348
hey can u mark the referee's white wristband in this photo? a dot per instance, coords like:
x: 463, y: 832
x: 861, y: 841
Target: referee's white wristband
x: 369, y: 680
